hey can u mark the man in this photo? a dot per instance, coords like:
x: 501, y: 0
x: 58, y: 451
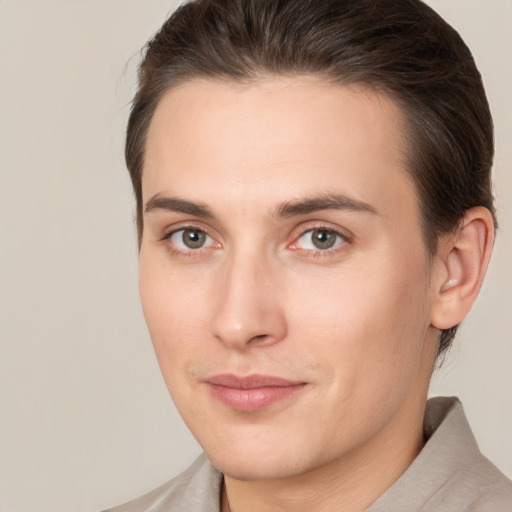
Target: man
x: 315, y: 219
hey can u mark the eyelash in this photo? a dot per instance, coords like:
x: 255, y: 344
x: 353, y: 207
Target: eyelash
x: 187, y: 253
x: 342, y: 240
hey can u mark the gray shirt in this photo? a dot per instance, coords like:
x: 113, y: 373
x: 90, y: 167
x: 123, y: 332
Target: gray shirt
x: 449, y: 475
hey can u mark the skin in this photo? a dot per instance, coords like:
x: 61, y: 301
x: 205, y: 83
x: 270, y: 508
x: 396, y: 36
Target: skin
x: 355, y: 323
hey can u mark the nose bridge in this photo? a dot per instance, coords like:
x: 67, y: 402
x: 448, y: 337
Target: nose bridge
x: 248, y: 309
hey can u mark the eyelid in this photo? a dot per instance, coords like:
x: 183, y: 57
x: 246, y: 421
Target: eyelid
x: 346, y: 236
x: 168, y: 231
x: 208, y: 241
x: 189, y: 252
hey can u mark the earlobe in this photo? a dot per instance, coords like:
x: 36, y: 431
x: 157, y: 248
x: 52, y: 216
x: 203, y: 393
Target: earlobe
x: 462, y: 261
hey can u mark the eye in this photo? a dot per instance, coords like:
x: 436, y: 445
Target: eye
x: 190, y: 239
x: 319, y: 239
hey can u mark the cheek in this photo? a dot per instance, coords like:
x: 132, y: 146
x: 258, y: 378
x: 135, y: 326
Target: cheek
x: 173, y: 313
x: 365, y: 326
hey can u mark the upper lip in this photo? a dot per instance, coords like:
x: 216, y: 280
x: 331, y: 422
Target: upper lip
x: 250, y: 381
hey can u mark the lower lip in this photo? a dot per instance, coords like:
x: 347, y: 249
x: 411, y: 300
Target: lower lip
x: 253, y: 399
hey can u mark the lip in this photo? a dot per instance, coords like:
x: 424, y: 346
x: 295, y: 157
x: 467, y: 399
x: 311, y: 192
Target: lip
x: 253, y: 392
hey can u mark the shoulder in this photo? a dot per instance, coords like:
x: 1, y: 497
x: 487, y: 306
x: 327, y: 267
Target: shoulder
x: 450, y: 473
x: 477, y: 487
x: 471, y: 482
x: 196, y: 489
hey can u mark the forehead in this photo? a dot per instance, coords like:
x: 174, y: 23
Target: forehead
x: 221, y: 139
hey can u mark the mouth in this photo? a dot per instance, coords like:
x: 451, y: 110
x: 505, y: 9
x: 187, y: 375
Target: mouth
x: 251, y: 393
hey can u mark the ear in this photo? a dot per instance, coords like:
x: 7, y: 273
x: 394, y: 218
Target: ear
x: 461, y: 262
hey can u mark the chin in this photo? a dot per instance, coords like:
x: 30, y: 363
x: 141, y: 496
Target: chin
x: 255, y: 468
x: 263, y: 460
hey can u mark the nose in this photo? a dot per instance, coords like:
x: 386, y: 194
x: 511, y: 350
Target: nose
x: 248, y: 310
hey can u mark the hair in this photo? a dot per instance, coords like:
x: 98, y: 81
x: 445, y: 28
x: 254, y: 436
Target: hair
x: 400, y: 47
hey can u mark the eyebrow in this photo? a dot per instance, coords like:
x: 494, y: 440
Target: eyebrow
x: 174, y: 204
x: 288, y: 209
x: 324, y: 202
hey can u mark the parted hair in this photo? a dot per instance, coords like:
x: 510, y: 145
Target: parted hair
x: 399, y: 47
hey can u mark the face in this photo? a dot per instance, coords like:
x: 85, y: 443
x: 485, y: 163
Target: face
x: 283, y: 273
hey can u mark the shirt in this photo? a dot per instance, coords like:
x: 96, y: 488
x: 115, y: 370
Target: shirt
x: 449, y: 475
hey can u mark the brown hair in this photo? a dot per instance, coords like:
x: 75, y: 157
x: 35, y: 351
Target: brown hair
x: 401, y: 47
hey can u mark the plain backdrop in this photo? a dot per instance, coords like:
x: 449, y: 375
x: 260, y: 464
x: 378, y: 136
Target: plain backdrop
x: 85, y: 420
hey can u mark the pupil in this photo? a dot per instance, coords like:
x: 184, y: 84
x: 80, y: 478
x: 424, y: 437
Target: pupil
x: 323, y: 239
x: 193, y: 239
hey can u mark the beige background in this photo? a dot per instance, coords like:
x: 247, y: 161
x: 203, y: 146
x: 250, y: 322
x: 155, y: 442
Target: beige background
x: 85, y: 421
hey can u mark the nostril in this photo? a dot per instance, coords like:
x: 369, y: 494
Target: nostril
x: 259, y: 337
